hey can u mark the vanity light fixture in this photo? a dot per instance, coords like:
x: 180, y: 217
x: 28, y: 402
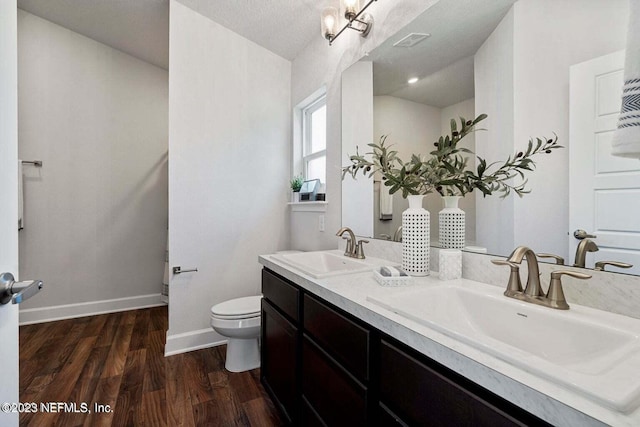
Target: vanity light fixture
x: 356, y: 19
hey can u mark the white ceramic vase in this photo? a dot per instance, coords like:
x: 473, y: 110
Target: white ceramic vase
x: 451, y: 224
x: 415, y: 238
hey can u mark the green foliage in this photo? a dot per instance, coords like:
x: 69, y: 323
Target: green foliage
x: 446, y: 169
x: 296, y: 183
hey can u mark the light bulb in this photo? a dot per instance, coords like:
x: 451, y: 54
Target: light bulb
x: 329, y: 22
x: 350, y: 8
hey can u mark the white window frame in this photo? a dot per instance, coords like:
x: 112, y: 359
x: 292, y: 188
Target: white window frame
x: 307, y: 112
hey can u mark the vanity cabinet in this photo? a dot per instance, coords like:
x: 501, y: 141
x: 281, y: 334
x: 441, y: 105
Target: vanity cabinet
x: 415, y: 390
x: 324, y: 367
x: 280, y: 338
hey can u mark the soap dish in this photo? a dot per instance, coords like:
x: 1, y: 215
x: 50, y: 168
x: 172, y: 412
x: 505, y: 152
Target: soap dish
x: 391, y: 281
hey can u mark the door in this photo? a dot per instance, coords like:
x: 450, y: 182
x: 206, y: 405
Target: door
x: 604, y: 189
x: 9, y: 202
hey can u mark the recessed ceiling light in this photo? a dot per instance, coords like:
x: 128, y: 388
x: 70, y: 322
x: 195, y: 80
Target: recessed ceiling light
x: 412, y: 80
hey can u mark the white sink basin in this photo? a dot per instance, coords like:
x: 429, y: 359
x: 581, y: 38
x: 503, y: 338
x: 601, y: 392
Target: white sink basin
x: 590, y: 351
x: 323, y: 264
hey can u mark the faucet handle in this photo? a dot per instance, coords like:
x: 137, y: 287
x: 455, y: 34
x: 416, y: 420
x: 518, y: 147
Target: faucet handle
x: 581, y: 234
x: 555, y: 295
x: 515, y: 285
x: 559, y: 259
x: 601, y: 264
x: 348, y: 250
x: 359, y: 249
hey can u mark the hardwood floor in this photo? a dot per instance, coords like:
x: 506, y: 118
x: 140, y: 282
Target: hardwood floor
x: 118, y: 360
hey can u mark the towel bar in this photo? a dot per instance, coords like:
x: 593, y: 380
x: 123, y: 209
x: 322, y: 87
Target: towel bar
x: 178, y: 270
x: 36, y: 163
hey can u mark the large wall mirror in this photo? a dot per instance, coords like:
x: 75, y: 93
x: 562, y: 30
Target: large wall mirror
x: 536, y: 68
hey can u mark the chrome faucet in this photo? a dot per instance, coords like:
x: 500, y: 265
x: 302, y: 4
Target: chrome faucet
x: 397, y: 236
x: 533, y: 287
x: 354, y: 248
x: 585, y: 245
x: 533, y: 291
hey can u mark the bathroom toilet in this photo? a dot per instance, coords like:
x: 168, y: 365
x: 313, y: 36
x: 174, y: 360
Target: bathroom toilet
x: 239, y: 320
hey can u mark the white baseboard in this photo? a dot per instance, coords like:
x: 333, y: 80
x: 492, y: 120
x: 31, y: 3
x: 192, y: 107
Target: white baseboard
x: 92, y: 308
x: 193, y: 340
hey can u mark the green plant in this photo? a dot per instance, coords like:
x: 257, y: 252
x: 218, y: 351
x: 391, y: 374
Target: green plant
x: 296, y: 183
x: 446, y: 169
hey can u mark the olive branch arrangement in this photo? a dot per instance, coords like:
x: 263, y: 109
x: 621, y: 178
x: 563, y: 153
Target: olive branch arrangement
x: 446, y: 169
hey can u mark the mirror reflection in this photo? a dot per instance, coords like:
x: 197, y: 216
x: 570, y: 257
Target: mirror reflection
x: 535, y: 67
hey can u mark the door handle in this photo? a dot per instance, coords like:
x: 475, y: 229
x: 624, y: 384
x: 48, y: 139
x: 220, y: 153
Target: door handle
x: 16, y: 292
x: 581, y: 234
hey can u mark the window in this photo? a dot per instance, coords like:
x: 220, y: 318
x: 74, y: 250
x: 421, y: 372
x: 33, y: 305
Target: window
x: 314, y: 139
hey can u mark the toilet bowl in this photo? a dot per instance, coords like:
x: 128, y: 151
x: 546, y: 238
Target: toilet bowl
x: 239, y: 320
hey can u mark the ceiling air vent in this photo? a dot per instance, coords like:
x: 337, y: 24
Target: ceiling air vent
x: 411, y: 40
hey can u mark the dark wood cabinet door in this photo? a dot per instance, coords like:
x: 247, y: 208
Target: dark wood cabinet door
x: 341, y: 337
x: 424, y: 396
x: 279, y: 355
x: 337, y: 398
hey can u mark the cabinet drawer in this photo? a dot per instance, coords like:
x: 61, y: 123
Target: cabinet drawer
x: 337, y: 398
x: 425, y: 397
x: 342, y: 338
x: 283, y: 295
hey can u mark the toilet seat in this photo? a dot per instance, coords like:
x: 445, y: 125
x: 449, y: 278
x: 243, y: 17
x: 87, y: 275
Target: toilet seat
x: 239, y: 308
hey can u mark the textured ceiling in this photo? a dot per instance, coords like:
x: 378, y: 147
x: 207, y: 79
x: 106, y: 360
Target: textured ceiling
x: 141, y: 27
x: 284, y: 27
x: 137, y: 27
x: 444, y: 61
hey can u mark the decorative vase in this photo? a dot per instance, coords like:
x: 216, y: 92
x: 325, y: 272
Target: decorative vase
x: 295, y: 196
x: 451, y: 224
x: 415, y: 238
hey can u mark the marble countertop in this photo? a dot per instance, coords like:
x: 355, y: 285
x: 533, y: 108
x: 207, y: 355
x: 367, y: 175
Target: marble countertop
x: 544, y: 398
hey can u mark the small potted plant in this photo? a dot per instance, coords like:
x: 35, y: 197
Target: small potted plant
x: 296, y: 185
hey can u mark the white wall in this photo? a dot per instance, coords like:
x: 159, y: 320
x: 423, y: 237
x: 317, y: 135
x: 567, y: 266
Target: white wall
x: 464, y: 109
x: 229, y: 169
x: 549, y: 37
x: 358, y: 103
x: 493, y: 71
x: 96, y: 213
x: 9, y: 192
x: 412, y: 128
x: 522, y: 83
x: 320, y: 64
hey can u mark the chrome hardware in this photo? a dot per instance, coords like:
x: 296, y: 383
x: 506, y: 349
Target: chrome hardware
x: 559, y: 259
x: 581, y: 234
x: 515, y: 285
x: 555, y: 296
x: 354, y: 248
x: 601, y: 264
x: 533, y: 288
x: 360, y: 250
x: 16, y: 292
x: 397, y: 236
x: 533, y: 292
x: 179, y: 270
x: 349, y: 245
x: 584, y: 246
x: 36, y: 163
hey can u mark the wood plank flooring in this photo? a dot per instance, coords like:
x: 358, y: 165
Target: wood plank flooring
x: 118, y: 360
